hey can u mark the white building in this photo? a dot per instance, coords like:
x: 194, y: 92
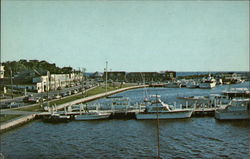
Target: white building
x: 42, y: 83
x: 1, y: 72
x: 56, y: 81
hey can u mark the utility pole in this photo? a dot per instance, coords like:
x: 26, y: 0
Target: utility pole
x: 158, y: 130
x: 11, y: 81
x: 83, y: 75
x: 106, y: 77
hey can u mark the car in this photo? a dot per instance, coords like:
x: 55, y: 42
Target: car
x: 74, y: 91
x: 69, y: 93
x: 14, y: 105
x: 64, y: 94
x: 57, y: 96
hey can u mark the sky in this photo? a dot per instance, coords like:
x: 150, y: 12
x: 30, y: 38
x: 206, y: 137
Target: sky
x: 130, y: 35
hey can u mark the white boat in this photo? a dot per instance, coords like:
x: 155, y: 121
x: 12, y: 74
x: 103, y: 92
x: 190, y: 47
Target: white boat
x: 158, y: 109
x: 55, y: 117
x: 192, y: 84
x: 92, y: 116
x: 209, y: 82
x: 85, y: 114
x: 237, y: 109
x: 237, y: 92
x: 173, y: 85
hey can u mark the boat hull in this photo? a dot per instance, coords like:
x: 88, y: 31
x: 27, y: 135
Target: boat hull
x: 165, y: 115
x: 232, y: 115
x: 207, y: 85
x: 92, y: 116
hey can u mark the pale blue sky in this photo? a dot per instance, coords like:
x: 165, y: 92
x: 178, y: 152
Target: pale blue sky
x: 131, y: 35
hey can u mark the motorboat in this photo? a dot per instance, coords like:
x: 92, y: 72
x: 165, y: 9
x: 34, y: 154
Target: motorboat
x: 57, y: 118
x: 236, y: 109
x: 157, y: 109
x: 237, y: 92
x: 85, y: 114
x: 92, y: 116
x: 173, y: 85
x: 209, y: 82
x: 192, y: 84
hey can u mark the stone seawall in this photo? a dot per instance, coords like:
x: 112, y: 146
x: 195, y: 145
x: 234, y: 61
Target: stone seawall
x: 16, y: 122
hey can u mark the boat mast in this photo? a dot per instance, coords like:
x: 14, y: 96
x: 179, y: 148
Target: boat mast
x: 158, y: 130
x: 106, y: 79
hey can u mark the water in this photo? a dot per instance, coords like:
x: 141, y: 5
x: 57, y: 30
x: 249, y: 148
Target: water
x: 186, y: 138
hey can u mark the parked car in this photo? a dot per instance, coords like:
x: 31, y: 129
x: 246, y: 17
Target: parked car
x: 69, y: 93
x: 57, y: 96
x: 31, y: 99
x: 64, y: 94
x: 74, y: 91
x: 14, y: 105
x: 3, y: 105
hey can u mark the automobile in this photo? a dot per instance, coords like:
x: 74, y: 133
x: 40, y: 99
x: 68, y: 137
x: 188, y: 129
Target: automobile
x: 48, y: 98
x: 57, y: 96
x: 31, y: 99
x: 14, y: 105
x: 69, y: 93
x: 3, y: 105
x: 74, y: 91
x: 81, y: 89
x: 64, y: 94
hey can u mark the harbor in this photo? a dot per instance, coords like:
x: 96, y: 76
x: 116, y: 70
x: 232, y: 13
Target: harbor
x: 124, y: 80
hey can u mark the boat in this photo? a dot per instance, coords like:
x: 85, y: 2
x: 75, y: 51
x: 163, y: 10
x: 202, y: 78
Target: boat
x: 192, y: 84
x: 173, y: 85
x: 92, y: 116
x: 209, y: 82
x: 237, y: 109
x: 156, y: 109
x: 56, y: 118
x: 87, y: 115
x: 237, y: 92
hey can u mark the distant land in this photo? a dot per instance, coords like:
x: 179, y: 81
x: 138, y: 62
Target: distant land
x: 43, y: 67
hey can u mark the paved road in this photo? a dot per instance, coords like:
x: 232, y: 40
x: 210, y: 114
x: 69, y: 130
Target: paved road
x: 43, y: 95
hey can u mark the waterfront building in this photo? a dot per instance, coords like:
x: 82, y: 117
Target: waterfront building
x: 116, y: 76
x: 150, y: 76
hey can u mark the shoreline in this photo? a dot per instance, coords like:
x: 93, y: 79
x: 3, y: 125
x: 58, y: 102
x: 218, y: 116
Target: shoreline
x: 26, y: 118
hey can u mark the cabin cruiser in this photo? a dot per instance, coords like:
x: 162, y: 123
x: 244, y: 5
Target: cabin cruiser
x: 175, y: 84
x: 237, y: 109
x: 57, y: 118
x: 92, y: 116
x: 209, y: 82
x: 237, y: 92
x: 192, y: 84
x: 157, y: 109
x: 85, y: 114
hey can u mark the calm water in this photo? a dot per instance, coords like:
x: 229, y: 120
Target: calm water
x: 188, y: 138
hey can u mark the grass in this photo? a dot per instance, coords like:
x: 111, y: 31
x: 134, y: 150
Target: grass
x: 97, y: 90
x: 4, y: 118
x: 35, y: 108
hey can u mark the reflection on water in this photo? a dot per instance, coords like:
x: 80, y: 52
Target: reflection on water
x: 185, y: 138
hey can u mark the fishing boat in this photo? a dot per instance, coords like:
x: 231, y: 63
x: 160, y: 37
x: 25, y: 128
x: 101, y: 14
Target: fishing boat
x: 85, y: 114
x: 237, y: 109
x: 237, y: 92
x: 56, y: 118
x: 209, y: 82
x: 192, y: 84
x: 92, y: 116
x: 156, y: 109
x: 175, y: 84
